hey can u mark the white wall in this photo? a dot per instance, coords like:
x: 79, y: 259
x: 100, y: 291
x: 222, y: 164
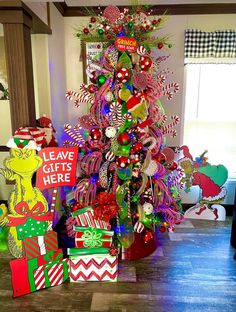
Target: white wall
x: 57, y: 70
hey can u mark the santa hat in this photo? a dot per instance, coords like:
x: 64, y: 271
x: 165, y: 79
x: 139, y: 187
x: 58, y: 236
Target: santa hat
x: 45, y: 122
x: 133, y: 103
x: 27, y: 137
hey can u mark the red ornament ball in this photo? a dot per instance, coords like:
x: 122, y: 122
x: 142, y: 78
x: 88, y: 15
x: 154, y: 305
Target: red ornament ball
x: 162, y: 229
x: 92, y: 88
x: 123, y: 138
x: 160, y: 157
x: 95, y: 134
x: 93, y: 78
x: 173, y: 165
x: 92, y: 19
x: 137, y: 147
x: 145, y: 63
x: 160, y: 45
x: 122, y: 161
x: 86, y: 31
x: 123, y: 75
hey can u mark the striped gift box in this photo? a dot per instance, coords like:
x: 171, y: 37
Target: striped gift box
x: 39, y: 245
x: 70, y: 222
x: 96, y: 268
x: 51, y: 275
x: 92, y: 237
x: 85, y: 217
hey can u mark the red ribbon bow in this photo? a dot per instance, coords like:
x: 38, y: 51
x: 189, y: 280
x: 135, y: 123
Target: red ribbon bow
x: 35, y: 213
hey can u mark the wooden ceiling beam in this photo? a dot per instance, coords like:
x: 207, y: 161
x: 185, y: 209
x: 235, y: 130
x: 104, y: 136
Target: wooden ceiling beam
x: 171, y: 9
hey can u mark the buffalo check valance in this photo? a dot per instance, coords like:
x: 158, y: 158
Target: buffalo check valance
x: 217, y: 44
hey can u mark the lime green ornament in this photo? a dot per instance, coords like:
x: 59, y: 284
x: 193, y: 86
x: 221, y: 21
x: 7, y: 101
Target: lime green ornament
x: 130, y: 25
x: 101, y: 79
x: 135, y: 198
x: 100, y: 31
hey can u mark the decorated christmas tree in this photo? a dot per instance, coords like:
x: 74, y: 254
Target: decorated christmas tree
x: 127, y: 174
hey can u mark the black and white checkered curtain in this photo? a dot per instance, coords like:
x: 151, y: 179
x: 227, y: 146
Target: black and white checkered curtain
x: 217, y: 44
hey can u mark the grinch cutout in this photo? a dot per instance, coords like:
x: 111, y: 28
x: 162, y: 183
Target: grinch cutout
x: 210, y: 179
x: 25, y: 201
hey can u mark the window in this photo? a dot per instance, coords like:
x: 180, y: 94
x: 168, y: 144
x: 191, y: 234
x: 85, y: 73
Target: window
x: 210, y: 113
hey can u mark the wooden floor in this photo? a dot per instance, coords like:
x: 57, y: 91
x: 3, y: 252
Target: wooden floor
x: 192, y: 270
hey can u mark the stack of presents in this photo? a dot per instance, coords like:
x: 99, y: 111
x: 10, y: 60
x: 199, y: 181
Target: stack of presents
x: 92, y: 259
x: 42, y: 264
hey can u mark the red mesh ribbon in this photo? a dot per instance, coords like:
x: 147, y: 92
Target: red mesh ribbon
x: 104, y: 206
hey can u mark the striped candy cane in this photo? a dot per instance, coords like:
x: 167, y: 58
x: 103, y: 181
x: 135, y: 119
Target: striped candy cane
x: 166, y: 90
x: 116, y: 114
x: 52, y: 208
x: 175, y: 122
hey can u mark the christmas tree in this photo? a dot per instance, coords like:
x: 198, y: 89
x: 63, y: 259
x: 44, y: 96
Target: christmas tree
x: 127, y: 174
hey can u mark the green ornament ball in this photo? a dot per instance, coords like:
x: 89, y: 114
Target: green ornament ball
x: 169, y: 45
x: 130, y: 24
x: 101, y: 79
x: 100, y: 32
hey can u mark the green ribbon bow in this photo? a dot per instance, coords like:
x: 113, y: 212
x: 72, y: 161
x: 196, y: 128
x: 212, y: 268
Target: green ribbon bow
x: 92, y: 238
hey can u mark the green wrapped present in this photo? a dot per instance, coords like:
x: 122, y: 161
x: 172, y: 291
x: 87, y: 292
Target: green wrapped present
x: 88, y: 237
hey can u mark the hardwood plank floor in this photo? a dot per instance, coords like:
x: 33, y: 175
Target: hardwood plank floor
x: 192, y: 270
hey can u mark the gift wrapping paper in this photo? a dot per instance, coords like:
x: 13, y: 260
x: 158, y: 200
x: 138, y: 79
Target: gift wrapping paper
x: 85, y: 217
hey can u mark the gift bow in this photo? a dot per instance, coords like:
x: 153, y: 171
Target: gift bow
x: 92, y: 239
x: 24, y: 210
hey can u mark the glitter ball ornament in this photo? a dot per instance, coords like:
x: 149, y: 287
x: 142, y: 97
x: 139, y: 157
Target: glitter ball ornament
x: 95, y: 134
x: 145, y: 63
x: 137, y: 147
x: 110, y: 132
x: 123, y: 138
x: 148, y: 236
x: 140, y: 81
x: 93, y: 19
x: 160, y: 157
x: 123, y: 75
x: 122, y: 161
x: 100, y: 31
x: 92, y: 88
x: 111, y: 13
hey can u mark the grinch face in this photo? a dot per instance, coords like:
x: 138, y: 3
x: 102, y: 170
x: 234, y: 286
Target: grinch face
x: 24, y: 162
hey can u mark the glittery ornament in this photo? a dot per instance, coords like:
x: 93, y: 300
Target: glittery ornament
x: 122, y: 161
x: 111, y: 13
x: 145, y: 63
x: 130, y: 25
x: 95, y: 134
x: 93, y: 77
x: 148, y: 236
x: 86, y: 31
x: 160, y: 157
x: 137, y: 147
x: 123, y: 138
x: 93, y: 19
x: 123, y: 75
x: 110, y: 132
x: 92, y: 88
x: 124, y: 94
x: 140, y: 81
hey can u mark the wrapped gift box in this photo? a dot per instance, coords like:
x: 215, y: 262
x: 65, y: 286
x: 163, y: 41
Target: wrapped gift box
x: 92, y: 237
x: 70, y: 222
x: 25, y: 277
x: 85, y: 217
x: 98, y: 267
x: 39, y: 245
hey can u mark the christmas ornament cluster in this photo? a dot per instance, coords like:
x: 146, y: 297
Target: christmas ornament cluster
x: 127, y: 174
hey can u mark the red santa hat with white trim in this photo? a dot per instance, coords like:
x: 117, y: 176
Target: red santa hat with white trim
x: 27, y: 137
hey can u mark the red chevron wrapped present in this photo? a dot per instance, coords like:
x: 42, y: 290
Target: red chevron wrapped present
x: 85, y: 217
x: 39, y: 245
x: 96, y: 268
x: 92, y: 237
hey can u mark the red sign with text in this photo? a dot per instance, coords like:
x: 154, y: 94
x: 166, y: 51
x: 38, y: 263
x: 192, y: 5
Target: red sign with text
x: 59, y: 167
x: 126, y: 44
